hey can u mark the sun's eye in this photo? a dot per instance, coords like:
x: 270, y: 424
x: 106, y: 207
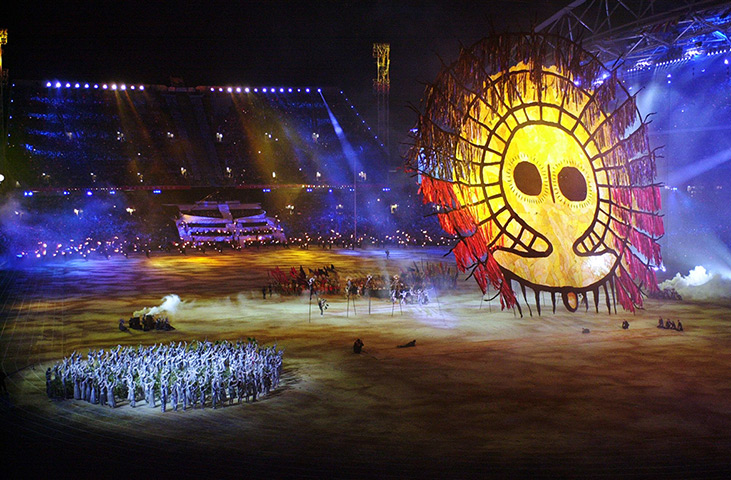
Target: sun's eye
x: 528, y: 178
x: 572, y: 184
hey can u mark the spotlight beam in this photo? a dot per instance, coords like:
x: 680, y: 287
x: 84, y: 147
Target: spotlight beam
x: 697, y: 168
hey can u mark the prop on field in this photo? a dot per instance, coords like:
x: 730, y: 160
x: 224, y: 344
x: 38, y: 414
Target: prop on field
x: 537, y: 160
x: 146, y: 323
x: 351, y: 292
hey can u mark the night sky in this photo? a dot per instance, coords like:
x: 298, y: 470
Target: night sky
x: 267, y: 43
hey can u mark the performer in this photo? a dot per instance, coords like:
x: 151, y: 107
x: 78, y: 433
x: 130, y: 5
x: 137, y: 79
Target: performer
x: 163, y: 391
x: 48, y: 382
x: 322, y: 303
x: 178, y: 373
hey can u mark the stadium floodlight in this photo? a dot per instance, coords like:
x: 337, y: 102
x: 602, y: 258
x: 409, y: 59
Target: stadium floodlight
x: 307, y: 90
x: 213, y: 89
x: 58, y: 84
x: 132, y: 87
x: 48, y: 84
x: 220, y: 89
x: 96, y: 85
x: 88, y: 193
x: 246, y: 90
x: 77, y: 85
x: 142, y: 87
x: 238, y: 89
x: 114, y: 86
x: 289, y: 90
x: 256, y: 90
x: 264, y: 90
x: 281, y: 90
x: 68, y: 85
x: 86, y: 85
x: 123, y: 87
x: 229, y: 89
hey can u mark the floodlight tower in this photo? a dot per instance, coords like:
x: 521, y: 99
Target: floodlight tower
x: 3, y: 131
x: 382, y: 87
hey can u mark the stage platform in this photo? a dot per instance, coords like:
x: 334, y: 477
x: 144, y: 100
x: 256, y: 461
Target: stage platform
x: 484, y: 394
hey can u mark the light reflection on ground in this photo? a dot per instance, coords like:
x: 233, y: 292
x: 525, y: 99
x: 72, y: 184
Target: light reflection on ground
x: 483, y: 390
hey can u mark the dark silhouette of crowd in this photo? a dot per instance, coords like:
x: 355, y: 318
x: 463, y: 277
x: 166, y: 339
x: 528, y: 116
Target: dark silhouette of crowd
x: 670, y: 324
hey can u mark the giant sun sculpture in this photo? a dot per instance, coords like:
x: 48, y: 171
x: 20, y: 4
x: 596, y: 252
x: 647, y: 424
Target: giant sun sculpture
x: 537, y: 160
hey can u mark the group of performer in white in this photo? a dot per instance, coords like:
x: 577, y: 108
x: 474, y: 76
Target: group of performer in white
x: 184, y: 375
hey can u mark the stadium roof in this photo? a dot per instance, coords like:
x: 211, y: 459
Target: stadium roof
x: 642, y: 33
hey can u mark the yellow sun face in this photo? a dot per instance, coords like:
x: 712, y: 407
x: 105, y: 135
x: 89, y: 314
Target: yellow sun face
x: 549, y: 184
x: 541, y: 171
x: 530, y: 179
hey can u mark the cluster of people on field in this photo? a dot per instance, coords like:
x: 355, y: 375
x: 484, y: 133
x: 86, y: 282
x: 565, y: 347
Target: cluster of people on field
x: 669, y: 325
x: 296, y: 281
x: 180, y: 375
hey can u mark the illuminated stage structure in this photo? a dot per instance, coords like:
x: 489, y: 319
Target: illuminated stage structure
x: 536, y: 158
x: 227, y: 222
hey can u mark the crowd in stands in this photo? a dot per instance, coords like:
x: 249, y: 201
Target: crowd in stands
x: 83, y: 137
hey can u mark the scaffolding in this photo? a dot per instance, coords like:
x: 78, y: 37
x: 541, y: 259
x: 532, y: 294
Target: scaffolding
x: 381, y: 87
x: 642, y: 33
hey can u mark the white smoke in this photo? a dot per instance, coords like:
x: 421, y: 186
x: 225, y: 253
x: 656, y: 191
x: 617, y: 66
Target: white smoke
x: 700, y: 285
x: 170, y: 304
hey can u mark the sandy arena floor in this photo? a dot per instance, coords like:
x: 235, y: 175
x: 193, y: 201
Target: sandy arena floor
x: 484, y: 394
